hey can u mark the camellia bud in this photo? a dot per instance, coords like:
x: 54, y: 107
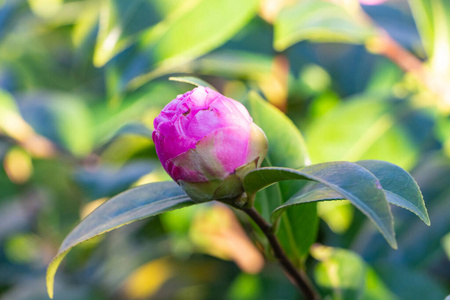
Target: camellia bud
x: 208, y: 143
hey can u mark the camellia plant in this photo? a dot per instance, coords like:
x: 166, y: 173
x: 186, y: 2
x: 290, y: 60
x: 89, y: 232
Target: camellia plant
x: 213, y: 150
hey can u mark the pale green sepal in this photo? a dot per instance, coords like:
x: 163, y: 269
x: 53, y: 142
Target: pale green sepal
x: 200, y: 191
x: 230, y: 189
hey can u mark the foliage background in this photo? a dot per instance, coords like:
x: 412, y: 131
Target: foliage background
x: 80, y: 84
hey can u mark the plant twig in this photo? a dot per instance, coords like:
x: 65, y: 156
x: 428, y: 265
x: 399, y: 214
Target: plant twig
x: 298, y: 277
x: 384, y: 45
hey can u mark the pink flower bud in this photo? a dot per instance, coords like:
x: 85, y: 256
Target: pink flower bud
x: 207, y: 143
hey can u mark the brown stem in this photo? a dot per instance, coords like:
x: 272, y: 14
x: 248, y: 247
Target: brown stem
x: 298, y: 277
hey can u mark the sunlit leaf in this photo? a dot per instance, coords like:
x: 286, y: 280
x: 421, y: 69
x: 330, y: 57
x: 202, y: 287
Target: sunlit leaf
x: 196, y: 28
x: 320, y: 21
x: 130, y: 206
x: 235, y: 64
x: 446, y: 244
x: 120, y: 24
x: 340, y: 271
x: 86, y: 23
x: 74, y: 121
x: 245, y: 287
x: 353, y: 182
x: 192, y: 80
x: 11, y: 122
x: 347, y: 276
x: 378, y: 134
x: 432, y: 19
x: 143, y: 284
x: 205, y: 26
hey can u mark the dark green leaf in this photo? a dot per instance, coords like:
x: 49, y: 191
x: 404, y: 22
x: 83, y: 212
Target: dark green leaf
x: 399, y: 187
x: 350, y: 180
x: 321, y: 194
x: 286, y: 148
x: 130, y: 206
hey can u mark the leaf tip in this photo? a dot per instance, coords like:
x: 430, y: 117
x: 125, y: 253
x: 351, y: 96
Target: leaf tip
x: 426, y: 218
x: 50, y: 284
x: 51, y: 271
x: 393, y: 243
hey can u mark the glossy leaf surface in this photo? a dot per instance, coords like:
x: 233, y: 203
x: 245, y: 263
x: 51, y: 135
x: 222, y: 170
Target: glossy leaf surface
x: 350, y: 180
x: 130, y: 206
x: 399, y: 187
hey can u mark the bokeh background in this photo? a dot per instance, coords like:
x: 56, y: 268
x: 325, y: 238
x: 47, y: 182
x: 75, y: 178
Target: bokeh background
x: 80, y: 84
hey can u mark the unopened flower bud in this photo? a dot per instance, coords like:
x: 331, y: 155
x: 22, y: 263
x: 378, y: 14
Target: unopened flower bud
x: 208, y: 143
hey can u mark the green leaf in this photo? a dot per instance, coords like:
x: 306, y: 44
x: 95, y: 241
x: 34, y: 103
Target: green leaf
x: 7, y: 103
x: 341, y: 271
x: 120, y: 24
x: 207, y: 25
x: 130, y: 206
x: 379, y: 134
x: 8, y: 110
x: 86, y: 23
x: 399, y: 187
x: 350, y: 180
x: 321, y: 194
x: 192, y: 80
x: 446, y: 244
x: 432, y: 20
x: 286, y: 148
x: 74, y: 123
x: 195, y: 29
x: 110, y: 120
x: 423, y: 17
x: 347, y: 275
x: 319, y: 21
x: 235, y: 64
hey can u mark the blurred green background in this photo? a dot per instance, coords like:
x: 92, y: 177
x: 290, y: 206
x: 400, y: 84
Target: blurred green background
x: 80, y: 84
